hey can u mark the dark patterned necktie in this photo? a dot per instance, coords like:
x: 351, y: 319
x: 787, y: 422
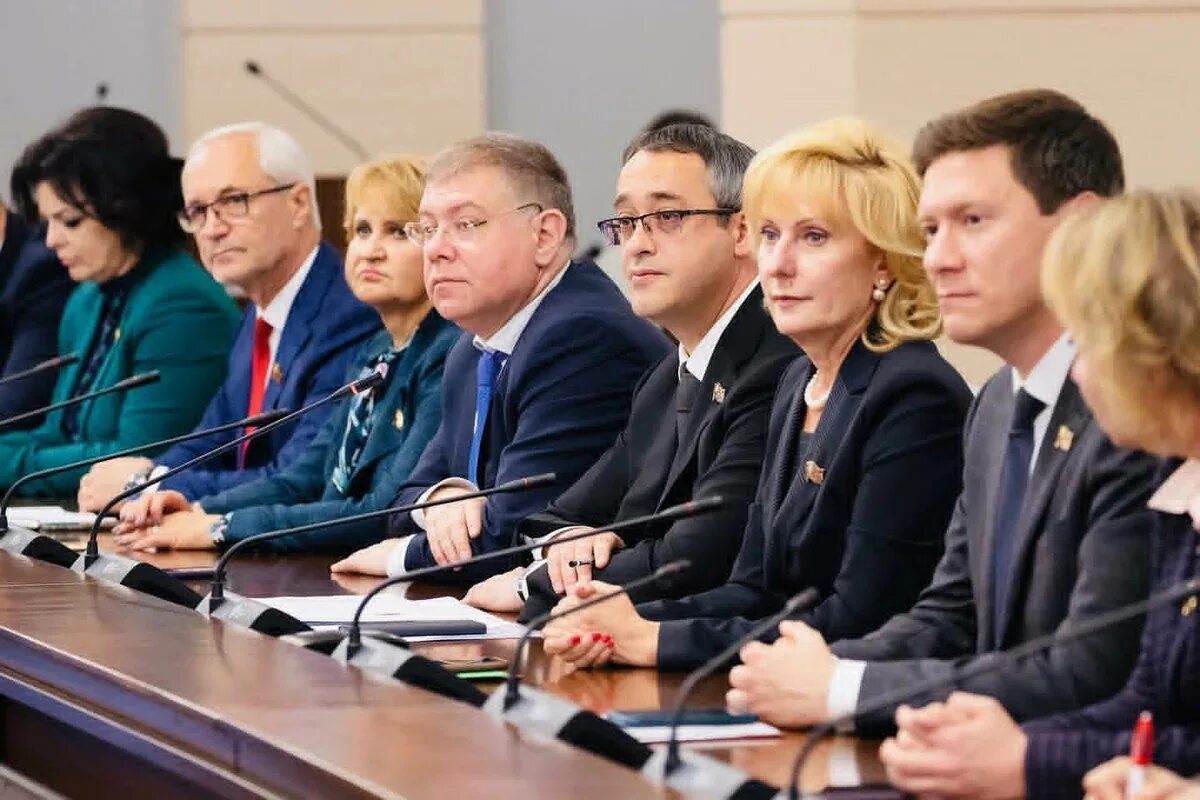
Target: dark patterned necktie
x: 101, y: 344
x: 359, y: 422
x: 1014, y: 480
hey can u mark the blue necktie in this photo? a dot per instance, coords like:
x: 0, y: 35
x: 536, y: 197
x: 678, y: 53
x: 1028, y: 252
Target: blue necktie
x: 1014, y: 479
x: 490, y: 362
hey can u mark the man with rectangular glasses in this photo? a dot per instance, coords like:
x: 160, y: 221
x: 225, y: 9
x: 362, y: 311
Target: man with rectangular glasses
x: 250, y: 202
x: 699, y: 419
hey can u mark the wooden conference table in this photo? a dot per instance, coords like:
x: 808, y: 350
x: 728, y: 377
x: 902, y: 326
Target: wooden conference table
x: 105, y: 692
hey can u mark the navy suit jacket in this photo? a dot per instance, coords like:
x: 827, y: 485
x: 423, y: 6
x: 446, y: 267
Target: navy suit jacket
x: 867, y: 533
x: 559, y: 402
x: 325, y: 328
x: 1165, y: 682
x: 404, y: 420
x: 33, y: 290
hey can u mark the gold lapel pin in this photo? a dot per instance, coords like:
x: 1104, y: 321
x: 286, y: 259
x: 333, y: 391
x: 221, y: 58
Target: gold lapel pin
x: 718, y: 393
x: 116, y: 335
x: 398, y: 420
x: 814, y: 473
x: 276, y: 373
x: 1064, y: 438
x: 1189, y: 607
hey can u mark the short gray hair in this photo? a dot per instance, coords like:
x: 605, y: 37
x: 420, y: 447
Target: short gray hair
x: 279, y: 154
x: 724, y: 156
x: 531, y: 168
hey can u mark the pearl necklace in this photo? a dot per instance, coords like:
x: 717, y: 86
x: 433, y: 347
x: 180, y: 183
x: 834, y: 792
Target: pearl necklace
x: 815, y: 403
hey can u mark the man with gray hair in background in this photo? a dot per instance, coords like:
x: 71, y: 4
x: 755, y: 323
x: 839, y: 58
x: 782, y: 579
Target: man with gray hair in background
x: 250, y: 201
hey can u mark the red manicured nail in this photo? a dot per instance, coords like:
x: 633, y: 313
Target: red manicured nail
x: 574, y: 640
x: 608, y: 638
x: 609, y: 644
x: 597, y: 637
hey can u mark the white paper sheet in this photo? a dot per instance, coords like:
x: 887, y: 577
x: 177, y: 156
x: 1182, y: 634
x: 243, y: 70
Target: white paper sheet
x: 660, y: 734
x: 334, y: 610
x: 53, y: 518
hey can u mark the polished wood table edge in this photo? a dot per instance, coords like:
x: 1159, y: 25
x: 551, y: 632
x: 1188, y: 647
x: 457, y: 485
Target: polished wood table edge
x: 207, y: 733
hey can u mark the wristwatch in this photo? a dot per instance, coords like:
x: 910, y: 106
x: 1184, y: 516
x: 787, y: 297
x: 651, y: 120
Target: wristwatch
x: 523, y: 586
x: 218, y: 528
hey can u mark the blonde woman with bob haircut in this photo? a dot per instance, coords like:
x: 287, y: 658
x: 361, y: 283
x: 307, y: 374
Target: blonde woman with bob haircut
x: 1124, y: 279
x: 371, y: 442
x: 863, y: 459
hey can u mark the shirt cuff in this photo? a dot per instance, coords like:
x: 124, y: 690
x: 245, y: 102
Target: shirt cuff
x: 398, y: 557
x: 539, y: 554
x: 843, y: 764
x: 418, y: 514
x: 844, y: 688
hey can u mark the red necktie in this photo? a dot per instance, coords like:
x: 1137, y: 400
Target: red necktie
x: 259, y: 363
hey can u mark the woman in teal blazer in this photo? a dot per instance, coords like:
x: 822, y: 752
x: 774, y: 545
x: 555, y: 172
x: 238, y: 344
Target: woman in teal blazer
x: 107, y: 190
x: 370, y: 443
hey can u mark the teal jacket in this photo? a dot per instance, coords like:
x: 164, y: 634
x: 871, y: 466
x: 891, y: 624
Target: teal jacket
x: 405, y: 419
x: 176, y: 320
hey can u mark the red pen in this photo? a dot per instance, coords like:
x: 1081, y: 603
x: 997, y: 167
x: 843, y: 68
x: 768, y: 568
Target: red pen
x: 1141, y: 753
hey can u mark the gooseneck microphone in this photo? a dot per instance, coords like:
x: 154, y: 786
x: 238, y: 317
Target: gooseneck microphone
x: 719, y: 779
x: 132, y: 382
x: 702, y: 506
x: 263, y: 618
x: 294, y: 100
x: 49, y: 363
x: 553, y: 717
x: 45, y: 548
x: 512, y: 691
x: 1081, y: 630
x: 152, y: 580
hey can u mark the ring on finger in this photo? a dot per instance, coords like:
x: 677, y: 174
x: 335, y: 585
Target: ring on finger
x: 573, y: 563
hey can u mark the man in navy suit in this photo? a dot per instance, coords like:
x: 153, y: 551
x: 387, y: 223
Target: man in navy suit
x: 33, y: 290
x: 250, y: 201
x: 542, y: 379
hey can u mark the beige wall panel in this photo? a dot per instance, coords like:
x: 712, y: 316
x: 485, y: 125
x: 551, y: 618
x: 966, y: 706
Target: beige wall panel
x: 394, y: 92
x: 781, y: 73
x: 324, y: 14
x: 1134, y: 71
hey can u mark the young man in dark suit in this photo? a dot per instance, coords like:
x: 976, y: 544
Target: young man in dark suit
x: 250, y: 202
x: 542, y: 378
x: 33, y: 290
x: 1048, y: 529
x: 699, y: 419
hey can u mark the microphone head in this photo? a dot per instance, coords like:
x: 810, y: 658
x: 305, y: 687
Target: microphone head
x: 253, y: 68
x: 678, y: 565
x: 701, y: 505
x: 60, y: 361
x: 266, y: 418
x: 367, y: 383
x: 144, y: 378
x: 804, y: 599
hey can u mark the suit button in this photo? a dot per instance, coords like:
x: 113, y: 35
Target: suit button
x: 1189, y: 606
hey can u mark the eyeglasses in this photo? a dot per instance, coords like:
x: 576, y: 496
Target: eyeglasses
x: 461, y: 231
x: 619, y: 229
x: 231, y: 206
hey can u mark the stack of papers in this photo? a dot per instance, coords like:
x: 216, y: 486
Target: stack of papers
x: 334, y: 610
x: 53, y: 518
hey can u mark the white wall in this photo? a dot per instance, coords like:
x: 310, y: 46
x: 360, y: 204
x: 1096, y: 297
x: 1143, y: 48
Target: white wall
x: 53, y: 53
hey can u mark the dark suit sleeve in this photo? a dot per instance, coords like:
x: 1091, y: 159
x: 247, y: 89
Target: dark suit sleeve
x: 911, y: 468
x: 34, y: 325
x: 389, y: 475
x: 1112, y: 570
x: 573, y: 398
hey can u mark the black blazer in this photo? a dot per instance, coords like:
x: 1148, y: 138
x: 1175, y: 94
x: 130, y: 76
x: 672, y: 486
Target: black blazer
x: 867, y: 533
x: 1166, y: 682
x: 1082, y: 550
x: 642, y: 473
x: 33, y: 290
